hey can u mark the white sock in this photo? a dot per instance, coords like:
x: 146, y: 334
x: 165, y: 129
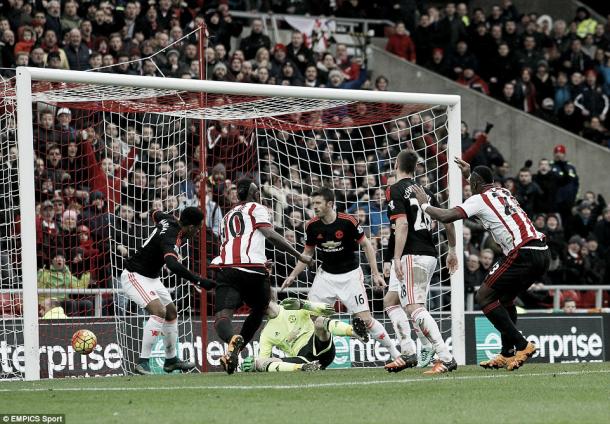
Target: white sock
x: 170, y: 337
x: 425, y: 343
x: 430, y: 329
x: 399, y: 319
x: 377, y: 331
x: 152, y: 329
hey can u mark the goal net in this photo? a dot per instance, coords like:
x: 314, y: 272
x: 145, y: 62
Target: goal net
x: 109, y: 148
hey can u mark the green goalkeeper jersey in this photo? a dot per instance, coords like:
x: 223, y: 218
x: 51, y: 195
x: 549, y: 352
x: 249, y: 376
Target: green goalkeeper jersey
x: 289, y: 331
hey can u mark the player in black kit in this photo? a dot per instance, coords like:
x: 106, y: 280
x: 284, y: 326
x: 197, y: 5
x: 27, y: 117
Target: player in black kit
x: 337, y: 237
x: 142, y: 284
x: 413, y: 266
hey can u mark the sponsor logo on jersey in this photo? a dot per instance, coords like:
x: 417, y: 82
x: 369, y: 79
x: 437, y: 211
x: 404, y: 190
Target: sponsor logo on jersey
x: 332, y: 246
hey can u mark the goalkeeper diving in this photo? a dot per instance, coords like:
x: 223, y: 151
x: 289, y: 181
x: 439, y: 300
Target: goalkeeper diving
x: 308, y: 344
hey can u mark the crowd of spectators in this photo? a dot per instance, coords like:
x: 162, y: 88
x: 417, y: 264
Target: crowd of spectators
x: 96, y: 178
x: 556, y: 70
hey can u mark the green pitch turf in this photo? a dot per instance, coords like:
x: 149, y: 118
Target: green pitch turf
x: 575, y: 393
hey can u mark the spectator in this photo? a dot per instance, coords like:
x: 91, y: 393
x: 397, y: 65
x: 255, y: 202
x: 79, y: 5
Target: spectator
x: 77, y: 52
x: 462, y: 59
x: 592, y: 101
x: 575, y: 265
x: 596, y: 132
x: 602, y: 231
x: 575, y: 60
x: 487, y: 259
x: 570, y: 118
x: 401, y: 44
x: 568, y: 188
x: 501, y: 69
x: 473, y: 81
x: 58, y: 276
x: 473, y: 274
x: 529, y: 56
x: 336, y: 79
x: 546, y: 112
x: 438, y: 63
x: 569, y: 306
x: 526, y: 91
x: 251, y: 44
x: 70, y: 19
x: 549, y: 184
x: 584, y: 23
x: 510, y: 97
x: 298, y: 53
x: 528, y: 193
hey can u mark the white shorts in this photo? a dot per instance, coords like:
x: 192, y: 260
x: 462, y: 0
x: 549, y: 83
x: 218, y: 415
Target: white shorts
x: 348, y: 288
x: 143, y: 290
x: 418, y: 270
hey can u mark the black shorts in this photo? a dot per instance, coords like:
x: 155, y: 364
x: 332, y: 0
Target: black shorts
x: 516, y: 272
x: 315, y: 350
x: 235, y: 287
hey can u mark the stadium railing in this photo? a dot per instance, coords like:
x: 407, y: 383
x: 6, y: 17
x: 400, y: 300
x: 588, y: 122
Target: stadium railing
x: 556, y: 290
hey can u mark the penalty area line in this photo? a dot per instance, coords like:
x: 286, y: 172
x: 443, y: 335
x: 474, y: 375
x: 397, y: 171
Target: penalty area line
x: 308, y: 386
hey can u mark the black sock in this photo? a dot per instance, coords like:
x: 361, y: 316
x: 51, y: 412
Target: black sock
x: 500, y: 318
x: 143, y: 361
x: 224, y: 328
x: 252, y: 323
x: 171, y: 360
x: 508, y: 349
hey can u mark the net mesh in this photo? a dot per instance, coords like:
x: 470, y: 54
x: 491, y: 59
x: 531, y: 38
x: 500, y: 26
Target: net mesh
x: 107, y: 155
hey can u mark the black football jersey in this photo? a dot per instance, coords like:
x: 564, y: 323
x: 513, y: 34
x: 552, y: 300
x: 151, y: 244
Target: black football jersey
x: 165, y: 240
x: 336, y: 243
x: 402, y: 202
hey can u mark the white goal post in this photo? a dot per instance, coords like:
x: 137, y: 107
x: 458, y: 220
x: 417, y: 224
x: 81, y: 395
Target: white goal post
x: 26, y: 76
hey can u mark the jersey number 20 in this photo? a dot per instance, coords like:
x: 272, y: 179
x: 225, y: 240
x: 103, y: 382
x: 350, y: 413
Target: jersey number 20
x: 422, y: 220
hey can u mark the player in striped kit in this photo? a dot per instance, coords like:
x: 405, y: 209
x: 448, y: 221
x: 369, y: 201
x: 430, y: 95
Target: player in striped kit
x: 242, y: 273
x: 526, y: 258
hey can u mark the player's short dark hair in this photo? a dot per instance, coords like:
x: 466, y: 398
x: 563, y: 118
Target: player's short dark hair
x: 485, y: 173
x: 407, y: 161
x: 191, y: 216
x: 326, y: 193
x: 243, y: 188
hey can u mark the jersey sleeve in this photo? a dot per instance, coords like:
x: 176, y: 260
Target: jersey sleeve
x: 473, y: 206
x: 357, y: 229
x: 157, y: 216
x: 310, y: 238
x: 261, y: 217
x: 396, y: 205
x: 265, y: 345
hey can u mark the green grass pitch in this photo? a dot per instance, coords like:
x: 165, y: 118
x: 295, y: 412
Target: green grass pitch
x: 549, y: 393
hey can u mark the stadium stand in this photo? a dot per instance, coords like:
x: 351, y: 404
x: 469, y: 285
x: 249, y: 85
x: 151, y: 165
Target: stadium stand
x: 556, y: 70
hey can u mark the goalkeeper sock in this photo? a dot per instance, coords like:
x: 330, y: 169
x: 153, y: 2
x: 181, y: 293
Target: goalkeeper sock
x: 170, y: 337
x: 378, y: 332
x: 338, y: 328
x: 508, y: 349
x: 152, y: 329
x: 429, y: 328
x: 283, y: 367
x: 399, y: 319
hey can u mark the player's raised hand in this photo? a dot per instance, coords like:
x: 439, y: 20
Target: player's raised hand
x: 287, y: 282
x: 378, y: 280
x: 451, y: 262
x: 400, y: 275
x: 420, y: 194
x: 464, y: 166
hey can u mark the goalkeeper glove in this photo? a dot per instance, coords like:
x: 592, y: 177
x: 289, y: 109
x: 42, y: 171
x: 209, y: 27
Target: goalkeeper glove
x: 249, y: 364
x: 318, y: 308
x: 291, y: 304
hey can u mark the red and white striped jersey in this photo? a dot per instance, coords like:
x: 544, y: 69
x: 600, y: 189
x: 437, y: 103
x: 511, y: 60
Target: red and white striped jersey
x: 501, y: 214
x: 242, y: 243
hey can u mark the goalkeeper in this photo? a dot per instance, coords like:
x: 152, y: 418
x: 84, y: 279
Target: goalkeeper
x: 308, y: 344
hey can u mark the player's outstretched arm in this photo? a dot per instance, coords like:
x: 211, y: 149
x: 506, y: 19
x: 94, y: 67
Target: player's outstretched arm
x: 317, y: 308
x: 378, y: 279
x: 442, y: 215
x: 183, y: 272
x: 281, y: 243
x: 300, y: 267
x: 451, y: 262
